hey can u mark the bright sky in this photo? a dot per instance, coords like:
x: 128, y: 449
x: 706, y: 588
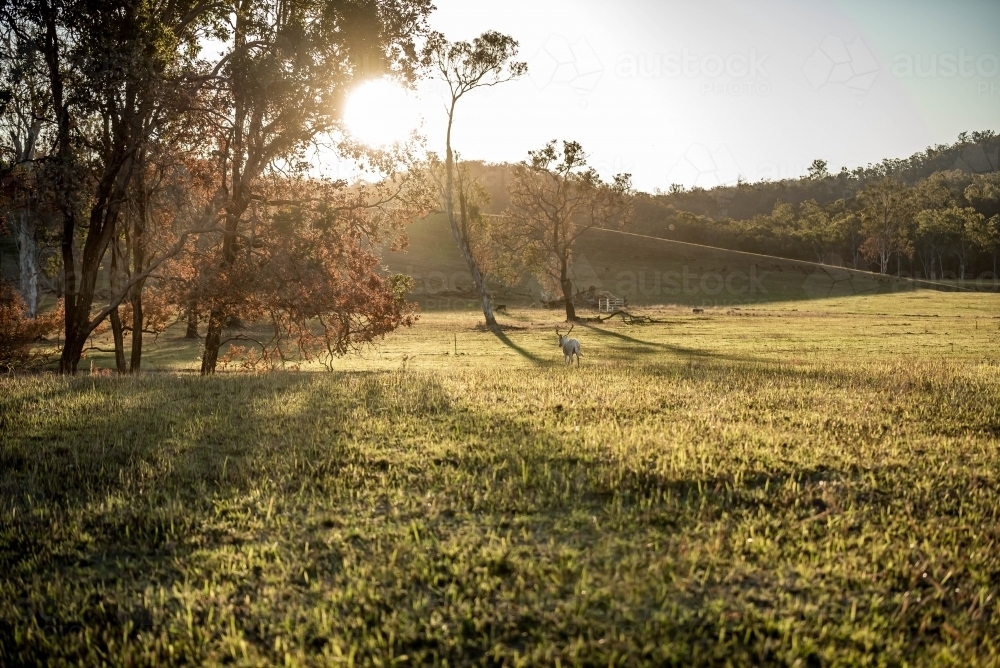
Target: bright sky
x: 701, y: 92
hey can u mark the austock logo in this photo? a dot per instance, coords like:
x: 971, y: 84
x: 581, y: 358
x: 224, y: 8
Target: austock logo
x: 563, y: 63
x: 704, y: 168
x: 760, y: 281
x: 839, y: 63
x: 945, y: 65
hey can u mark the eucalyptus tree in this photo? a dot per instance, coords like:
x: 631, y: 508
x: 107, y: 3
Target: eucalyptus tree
x: 984, y: 194
x: 22, y: 110
x: 488, y: 60
x: 114, y: 73
x: 555, y: 197
x: 119, y: 76
x: 956, y: 228
x: 288, y: 66
x: 887, y: 210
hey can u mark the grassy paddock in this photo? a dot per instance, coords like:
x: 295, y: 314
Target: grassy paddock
x: 812, y: 484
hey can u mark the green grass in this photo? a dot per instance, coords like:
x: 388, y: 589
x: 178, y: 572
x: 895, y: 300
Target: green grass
x: 806, y: 483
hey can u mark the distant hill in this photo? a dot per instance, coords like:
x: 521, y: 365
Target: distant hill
x: 644, y: 270
x: 976, y: 153
x: 741, y: 216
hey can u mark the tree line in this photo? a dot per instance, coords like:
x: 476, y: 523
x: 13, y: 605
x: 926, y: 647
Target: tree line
x: 935, y: 215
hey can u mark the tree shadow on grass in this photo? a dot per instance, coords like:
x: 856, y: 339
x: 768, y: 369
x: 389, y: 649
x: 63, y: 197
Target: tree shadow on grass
x: 679, y: 350
x: 504, y: 339
x: 358, y: 467
x: 315, y: 450
x: 97, y: 436
x: 128, y: 479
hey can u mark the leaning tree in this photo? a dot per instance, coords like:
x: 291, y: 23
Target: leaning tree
x: 463, y: 67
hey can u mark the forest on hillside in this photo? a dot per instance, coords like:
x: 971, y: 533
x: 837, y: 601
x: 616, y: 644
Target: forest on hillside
x: 933, y: 215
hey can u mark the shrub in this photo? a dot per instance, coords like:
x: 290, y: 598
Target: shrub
x: 18, y: 333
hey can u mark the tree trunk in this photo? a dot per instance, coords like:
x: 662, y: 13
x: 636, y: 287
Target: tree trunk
x: 192, y: 321
x: 72, y: 351
x: 217, y: 319
x: 116, y: 330
x: 28, y: 260
x: 103, y: 219
x: 138, y: 253
x: 463, y: 242
x: 73, y: 346
x: 136, y: 359
x: 477, y: 277
x: 116, y: 320
x: 961, y: 264
x: 213, y: 340
x: 567, y: 290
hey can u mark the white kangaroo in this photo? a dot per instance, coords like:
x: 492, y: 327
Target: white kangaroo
x: 569, y: 346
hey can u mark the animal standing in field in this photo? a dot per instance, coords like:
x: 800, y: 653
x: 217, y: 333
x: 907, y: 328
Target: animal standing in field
x: 569, y: 346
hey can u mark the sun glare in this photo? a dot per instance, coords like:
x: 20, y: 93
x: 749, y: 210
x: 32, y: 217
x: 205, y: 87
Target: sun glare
x: 379, y: 113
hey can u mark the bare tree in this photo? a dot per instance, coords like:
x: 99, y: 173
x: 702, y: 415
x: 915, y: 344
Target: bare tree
x: 555, y: 197
x: 464, y: 67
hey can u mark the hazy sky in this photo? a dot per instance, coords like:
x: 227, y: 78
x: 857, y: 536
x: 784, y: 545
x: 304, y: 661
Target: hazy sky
x: 702, y: 92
